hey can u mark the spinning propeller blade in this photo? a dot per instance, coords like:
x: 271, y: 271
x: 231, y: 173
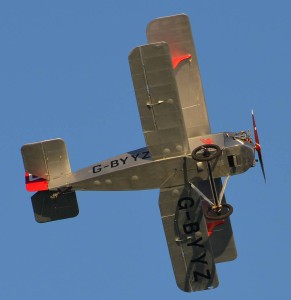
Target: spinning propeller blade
x: 258, y: 146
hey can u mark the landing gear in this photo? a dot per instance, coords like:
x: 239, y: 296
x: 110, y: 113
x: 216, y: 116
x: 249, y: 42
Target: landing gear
x: 216, y: 210
x: 219, y: 213
x: 206, y: 152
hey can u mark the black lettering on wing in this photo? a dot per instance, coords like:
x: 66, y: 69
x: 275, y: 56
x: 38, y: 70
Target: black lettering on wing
x: 197, y: 274
x: 185, y: 203
x: 196, y: 243
x: 200, y: 259
x: 191, y: 228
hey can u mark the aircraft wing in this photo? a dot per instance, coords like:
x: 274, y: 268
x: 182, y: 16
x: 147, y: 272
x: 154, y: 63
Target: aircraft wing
x: 158, y: 100
x: 221, y: 235
x: 187, y: 238
x: 176, y: 32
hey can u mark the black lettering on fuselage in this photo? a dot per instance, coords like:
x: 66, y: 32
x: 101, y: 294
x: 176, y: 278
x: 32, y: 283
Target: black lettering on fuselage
x: 146, y: 155
x: 123, y: 160
x: 114, y: 163
x: 97, y: 169
x: 135, y: 156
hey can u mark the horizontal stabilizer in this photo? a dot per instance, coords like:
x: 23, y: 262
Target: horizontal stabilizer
x: 52, y: 206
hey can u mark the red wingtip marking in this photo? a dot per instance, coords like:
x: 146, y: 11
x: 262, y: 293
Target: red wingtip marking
x: 212, y: 225
x: 34, y: 183
x: 176, y: 60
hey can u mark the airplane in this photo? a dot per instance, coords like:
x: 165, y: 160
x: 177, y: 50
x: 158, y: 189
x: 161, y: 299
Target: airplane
x: 182, y: 158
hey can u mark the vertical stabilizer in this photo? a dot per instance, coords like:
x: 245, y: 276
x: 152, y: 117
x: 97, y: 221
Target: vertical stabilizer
x: 45, y: 161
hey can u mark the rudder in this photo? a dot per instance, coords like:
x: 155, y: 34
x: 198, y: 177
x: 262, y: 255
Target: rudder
x: 43, y: 162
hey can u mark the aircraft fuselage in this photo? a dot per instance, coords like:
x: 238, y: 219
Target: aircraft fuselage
x: 136, y: 170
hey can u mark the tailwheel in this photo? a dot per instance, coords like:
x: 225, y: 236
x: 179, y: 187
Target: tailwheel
x: 206, y: 152
x: 219, y: 212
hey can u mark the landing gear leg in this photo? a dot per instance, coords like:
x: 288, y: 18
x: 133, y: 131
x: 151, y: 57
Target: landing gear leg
x: 216, y: 210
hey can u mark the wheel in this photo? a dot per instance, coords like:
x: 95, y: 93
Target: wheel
x: 220, y: 213
x: 206, y: 152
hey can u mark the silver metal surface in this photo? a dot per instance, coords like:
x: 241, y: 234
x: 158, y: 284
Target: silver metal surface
x: 136, y: 170
x: 187, y: 239
x: 223, y: 190
x: 158, y: 101
x: 176, y: 31
x: 174, y: 119
x: 46, y: 159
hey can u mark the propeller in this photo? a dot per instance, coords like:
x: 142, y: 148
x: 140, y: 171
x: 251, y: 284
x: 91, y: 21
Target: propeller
x: 258, y: 146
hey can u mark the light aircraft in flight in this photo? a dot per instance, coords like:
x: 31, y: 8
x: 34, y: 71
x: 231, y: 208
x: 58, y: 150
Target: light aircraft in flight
x: 182, y: 158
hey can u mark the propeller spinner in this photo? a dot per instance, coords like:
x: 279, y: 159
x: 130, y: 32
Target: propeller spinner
x: 258, y: 146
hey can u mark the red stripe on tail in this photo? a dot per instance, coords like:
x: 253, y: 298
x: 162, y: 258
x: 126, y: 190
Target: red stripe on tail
x: 35, y: 184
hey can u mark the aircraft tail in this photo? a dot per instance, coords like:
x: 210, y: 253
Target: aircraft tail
x: 43, y: 162
x: 52, y: 206
x: 35, y: 183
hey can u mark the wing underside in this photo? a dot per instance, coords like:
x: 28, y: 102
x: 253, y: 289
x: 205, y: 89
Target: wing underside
x: 187, y: 239
x: 221, y: 235
x: 158, y: 100
x: 176, y: 32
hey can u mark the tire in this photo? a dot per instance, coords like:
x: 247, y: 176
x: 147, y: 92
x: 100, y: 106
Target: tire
x: 225, y: 211
x: 206, y: 152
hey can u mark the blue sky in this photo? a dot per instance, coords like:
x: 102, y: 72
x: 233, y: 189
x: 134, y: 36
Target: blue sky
x: 64, y: 73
